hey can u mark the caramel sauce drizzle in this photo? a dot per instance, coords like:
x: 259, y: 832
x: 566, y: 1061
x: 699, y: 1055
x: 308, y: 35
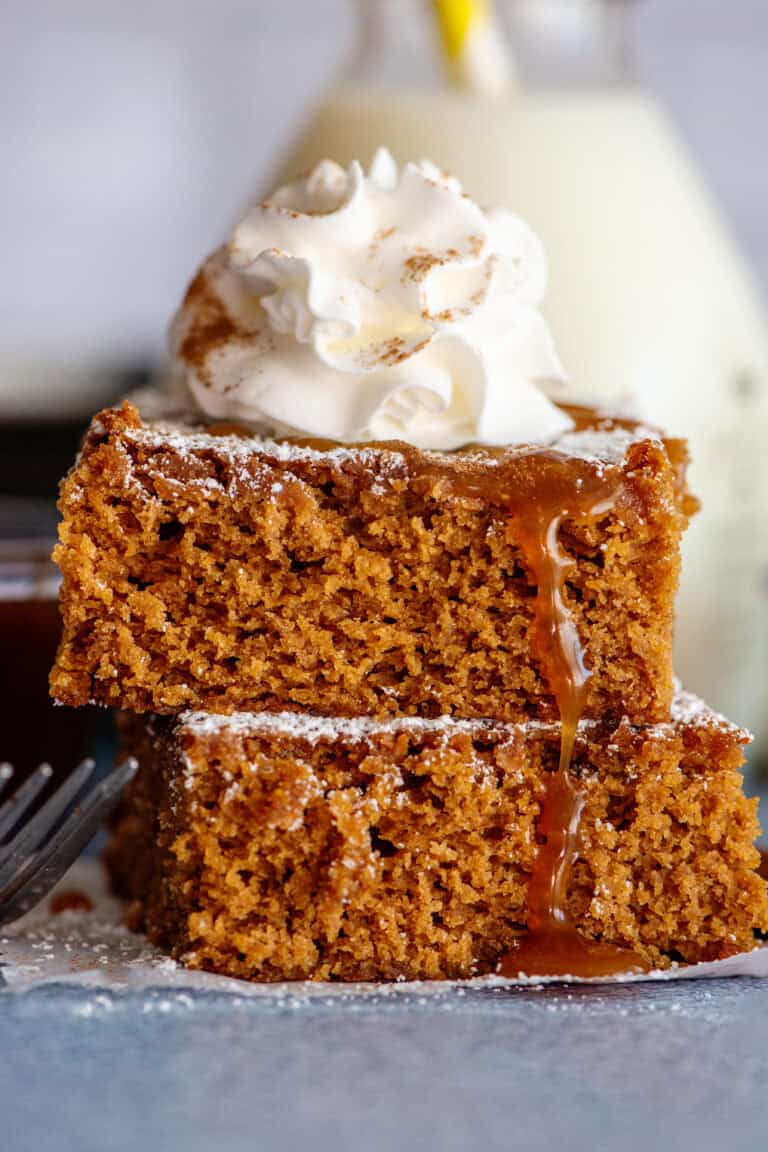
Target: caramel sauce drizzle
x: 549, y: 489
x: 554, y: 488
x: 553, y: 946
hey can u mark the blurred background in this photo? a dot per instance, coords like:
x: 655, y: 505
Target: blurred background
x: 631, y: 133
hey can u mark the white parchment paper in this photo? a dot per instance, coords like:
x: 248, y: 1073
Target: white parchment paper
x: 94, y: 949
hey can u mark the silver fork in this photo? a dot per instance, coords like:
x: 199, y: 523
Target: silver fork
x: 35, y: 852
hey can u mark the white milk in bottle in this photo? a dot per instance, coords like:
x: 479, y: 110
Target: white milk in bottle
x: 651, y: 303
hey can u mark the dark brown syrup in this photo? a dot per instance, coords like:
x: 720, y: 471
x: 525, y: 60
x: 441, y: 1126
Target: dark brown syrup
x: 35, y: 731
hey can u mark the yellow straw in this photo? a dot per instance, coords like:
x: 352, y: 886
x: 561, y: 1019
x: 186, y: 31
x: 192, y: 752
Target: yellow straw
x: 456, y: 19
x: 474, y: 50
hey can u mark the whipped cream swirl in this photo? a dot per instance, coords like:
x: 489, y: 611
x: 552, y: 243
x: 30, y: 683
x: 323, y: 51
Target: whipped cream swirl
x: 383, y: 305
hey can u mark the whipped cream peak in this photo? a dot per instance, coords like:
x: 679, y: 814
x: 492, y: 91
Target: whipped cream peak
x: 386, y: 304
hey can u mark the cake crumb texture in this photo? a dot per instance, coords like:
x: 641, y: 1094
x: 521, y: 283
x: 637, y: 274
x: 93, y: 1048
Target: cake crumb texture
x: 404, y: 852
x: 221, y: 573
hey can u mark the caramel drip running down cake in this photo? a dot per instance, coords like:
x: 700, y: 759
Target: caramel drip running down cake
x: 403, y: 611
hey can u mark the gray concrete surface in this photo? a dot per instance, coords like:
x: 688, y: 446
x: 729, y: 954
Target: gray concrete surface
x: 632, y: 1068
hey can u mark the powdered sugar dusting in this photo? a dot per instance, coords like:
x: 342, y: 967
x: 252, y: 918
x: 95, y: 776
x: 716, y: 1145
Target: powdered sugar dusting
x: 303, y: 726
x: 188, y: 438
x: 692, y: 711
x: 604, y: 444
x: 687, y: 709
x: 607, y: 443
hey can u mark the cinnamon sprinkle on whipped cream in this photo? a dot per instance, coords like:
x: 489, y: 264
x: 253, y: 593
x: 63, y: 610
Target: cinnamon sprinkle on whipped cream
x: 378, y: 305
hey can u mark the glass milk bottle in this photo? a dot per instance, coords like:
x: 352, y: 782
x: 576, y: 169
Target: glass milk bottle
x: 650, y: 301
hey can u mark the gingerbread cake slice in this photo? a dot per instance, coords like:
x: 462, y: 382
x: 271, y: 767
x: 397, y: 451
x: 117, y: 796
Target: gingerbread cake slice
x: 206, y: 568
x: 284, y: 846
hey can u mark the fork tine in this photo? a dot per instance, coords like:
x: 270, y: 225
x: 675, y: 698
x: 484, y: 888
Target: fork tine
x: 36, y: 830
x: 39, y: 875
x: 19, y: 801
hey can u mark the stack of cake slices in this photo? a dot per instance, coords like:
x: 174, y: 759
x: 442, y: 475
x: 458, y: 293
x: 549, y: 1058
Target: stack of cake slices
x: 403, y: 714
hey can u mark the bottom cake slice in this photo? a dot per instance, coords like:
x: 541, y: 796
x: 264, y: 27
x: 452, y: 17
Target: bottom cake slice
x: 279, y: 846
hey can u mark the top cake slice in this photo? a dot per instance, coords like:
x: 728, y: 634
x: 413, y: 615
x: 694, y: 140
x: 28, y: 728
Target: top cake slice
x: 206, y: 568
x: 461, y: 545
